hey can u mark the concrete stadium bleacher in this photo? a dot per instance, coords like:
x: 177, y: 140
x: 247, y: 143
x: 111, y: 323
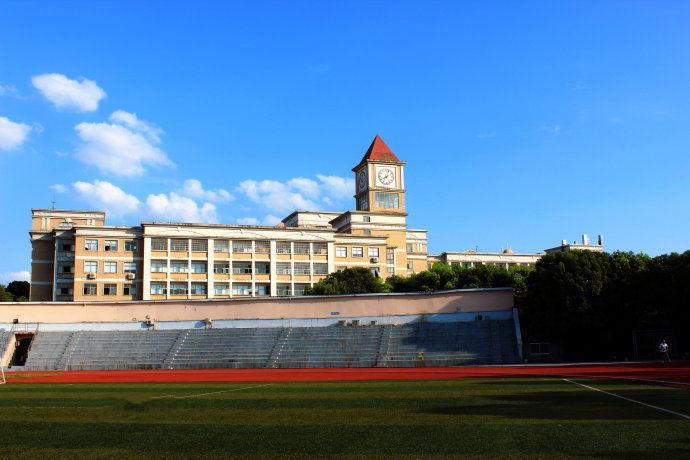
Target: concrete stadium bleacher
x: 491, y: 341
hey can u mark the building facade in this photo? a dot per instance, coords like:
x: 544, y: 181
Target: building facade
x: 77, y: 257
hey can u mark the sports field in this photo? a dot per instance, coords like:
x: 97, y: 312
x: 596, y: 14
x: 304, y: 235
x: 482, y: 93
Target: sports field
x: 504, y: 415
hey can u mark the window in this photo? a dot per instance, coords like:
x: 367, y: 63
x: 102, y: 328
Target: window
x: 301, y: 248
x: 375, y: 271
x: 362, y: 203
x: 159, y: 244
x: 341, y: 251
x: 262, y: 268
x: 177, y: 244
x: 241, y: 289
x: 321, y: 269
x: 409, y: 266
x: 110, y: 289
x: 91, y: 245
x: 320, y: 248
x: 302, y: 268
x: 109, y: 267
x: 283, y: 268
x: 178, y: 266
x: 366, y: 218
x: 262, y: 290
x: 386, y: 200
x: 340, y: 268
x: 198, y: 288
x: 199, y: 245
x: 178, y: 288
x: 89, y: 288
x: 299, y: 289
x: 65, y: 269
x: 221, y: 289
x: 242, y: 268
x: 66, y: 247
x: 242, y: 246
x: 357, y: 252
x: 131, y: 245
x: 373, y: 252
x: 284, y: 290
x: 110, y: 245
x: 65, y: 291
x: 221, y: 246
x: 90, y: 266
x: 283, y: 247
x: 129, y: 267
x: 410, y: 248
x: 129, y: 289
x: 198, y: 267
x: 390, y: 256
x: 221, y: 267
x: 159, y: 266
x: 262, y: 247
x: 157, y: 288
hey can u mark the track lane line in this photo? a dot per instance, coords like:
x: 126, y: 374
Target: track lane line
x: 687, y: 417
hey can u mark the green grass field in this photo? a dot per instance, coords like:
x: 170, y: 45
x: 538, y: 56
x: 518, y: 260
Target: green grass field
x: 474, y: 418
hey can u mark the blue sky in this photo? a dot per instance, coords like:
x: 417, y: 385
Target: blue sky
x: 522, y: 123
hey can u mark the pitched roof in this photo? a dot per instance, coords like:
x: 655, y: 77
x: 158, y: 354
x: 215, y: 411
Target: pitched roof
x: 379, y: 151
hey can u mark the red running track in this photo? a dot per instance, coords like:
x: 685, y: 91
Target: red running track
x: 676, y: 374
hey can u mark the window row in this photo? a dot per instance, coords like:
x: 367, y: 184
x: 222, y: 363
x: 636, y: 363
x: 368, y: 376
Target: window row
x: 182, y: 266
x: 238, y: 246
x: 301, y: 268
x: 108, y: 245
x: 219, y: 289
x: 91, y: 266
x: 109, y: 289
x: 358, y: 251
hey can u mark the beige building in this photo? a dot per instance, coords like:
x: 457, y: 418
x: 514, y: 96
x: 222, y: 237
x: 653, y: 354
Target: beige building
x: 77, y: 257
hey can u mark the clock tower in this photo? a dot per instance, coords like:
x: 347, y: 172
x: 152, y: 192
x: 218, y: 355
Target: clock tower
x: 380, y: 180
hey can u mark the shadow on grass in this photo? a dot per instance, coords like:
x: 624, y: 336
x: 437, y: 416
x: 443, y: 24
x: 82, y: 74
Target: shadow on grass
x: 555, y: 405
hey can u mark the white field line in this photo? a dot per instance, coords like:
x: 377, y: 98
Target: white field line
x: 209, y: 393
x: 687, y: 417
x: 619, y: 377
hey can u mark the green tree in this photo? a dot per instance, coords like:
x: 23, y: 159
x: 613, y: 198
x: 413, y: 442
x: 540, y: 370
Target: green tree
x: 19, y: 289
x: 4, y: 295
x: 348, y: 281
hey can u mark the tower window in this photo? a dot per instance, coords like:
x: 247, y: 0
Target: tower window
x: 386, y: 200
x: 362, y: 203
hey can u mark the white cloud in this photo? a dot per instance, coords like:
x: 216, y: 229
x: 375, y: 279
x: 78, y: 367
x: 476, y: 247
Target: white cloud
x: 121, y: 149
x: 248, y: 221
x: 131, y: 120
x: 8, y: 277
x: 58, y: 188
x: 193, y: 189
x: 175, y: 207
x: 268, y: 220
x: 12, y: 134
x: 271, y: 220
x: 276, y: 196
x: 299, y: 193
x: 65, y: 93
x: 106, y: 196
x: 337, y: 187
x: 7, y: 90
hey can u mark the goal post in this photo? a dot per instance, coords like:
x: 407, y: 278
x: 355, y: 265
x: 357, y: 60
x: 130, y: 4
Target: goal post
x: 2, y: 375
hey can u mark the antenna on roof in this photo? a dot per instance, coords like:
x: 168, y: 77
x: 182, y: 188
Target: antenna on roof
x: 52, y: 204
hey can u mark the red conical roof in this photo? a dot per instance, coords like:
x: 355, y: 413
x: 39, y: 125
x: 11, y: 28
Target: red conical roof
x: 379, y: 151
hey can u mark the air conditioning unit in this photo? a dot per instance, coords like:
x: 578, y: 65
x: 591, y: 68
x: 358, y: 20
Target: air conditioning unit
x: 91, y: 276
x: 374, y: 260
x: 130, y: 276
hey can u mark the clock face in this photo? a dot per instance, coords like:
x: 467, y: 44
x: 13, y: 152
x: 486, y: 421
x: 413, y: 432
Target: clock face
x: 361, y: 180
x: 386, y: 176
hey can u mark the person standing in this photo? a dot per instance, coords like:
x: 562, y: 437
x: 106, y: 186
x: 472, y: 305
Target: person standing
x: 663, y: 351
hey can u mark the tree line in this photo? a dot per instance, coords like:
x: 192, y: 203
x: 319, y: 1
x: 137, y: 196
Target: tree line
x: 591, y: 303
x: 15, y: 291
